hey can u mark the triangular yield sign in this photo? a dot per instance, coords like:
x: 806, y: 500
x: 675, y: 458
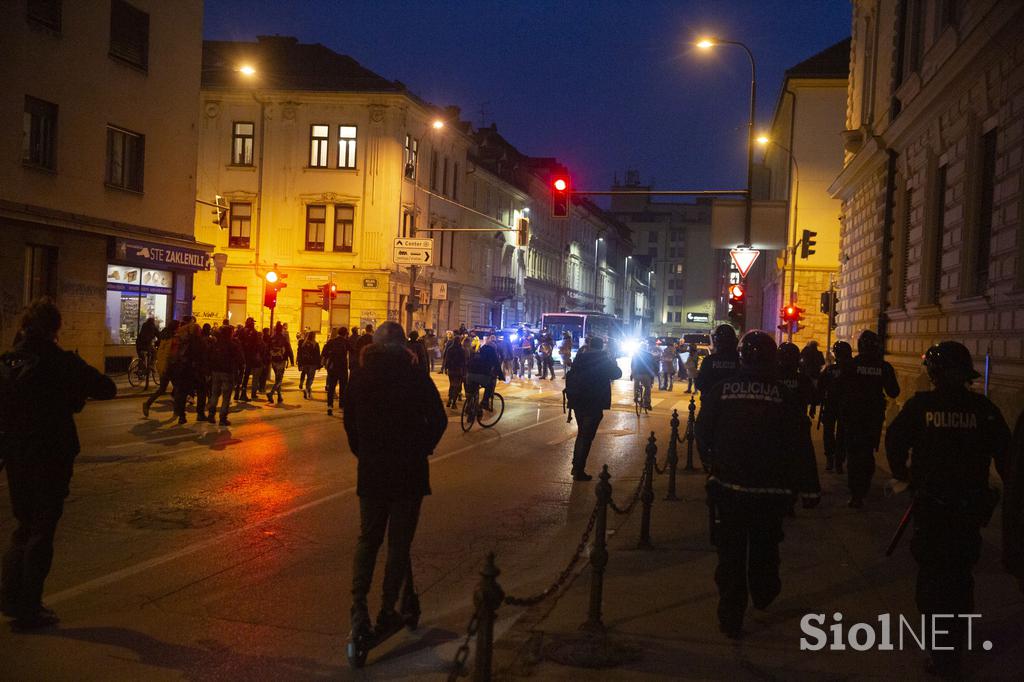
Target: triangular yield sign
x: 744, y: 259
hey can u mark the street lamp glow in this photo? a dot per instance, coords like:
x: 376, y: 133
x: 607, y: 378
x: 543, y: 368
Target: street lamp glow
x: 438, y: 124
x: 247, y: 70
x: 762, y: 140
x: 706, y: 43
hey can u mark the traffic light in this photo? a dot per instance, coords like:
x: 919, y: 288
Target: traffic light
x: 737, y: 303
x: 523, y: 233
x: 807, y: 243
x: 220, y: 213
x: 829, y: 302
x: 792, y: 314
x: 560, y: 196
x: 328, y: 293
x: 273, y: 285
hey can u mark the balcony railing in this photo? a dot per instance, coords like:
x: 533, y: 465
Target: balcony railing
x: 503, y: 288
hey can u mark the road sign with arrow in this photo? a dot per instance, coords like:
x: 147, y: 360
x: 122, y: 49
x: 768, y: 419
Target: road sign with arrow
x: 414, y: 251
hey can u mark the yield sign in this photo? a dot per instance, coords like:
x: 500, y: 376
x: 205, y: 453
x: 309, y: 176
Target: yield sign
x: 744, y: 258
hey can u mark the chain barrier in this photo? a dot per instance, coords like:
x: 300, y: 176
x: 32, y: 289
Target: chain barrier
x: 560, y: 581
x: 632, y: 503
x: 462, y: 655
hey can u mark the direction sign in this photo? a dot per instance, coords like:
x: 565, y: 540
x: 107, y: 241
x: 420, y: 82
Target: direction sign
x: 408, y: 243
x: 414, y: 251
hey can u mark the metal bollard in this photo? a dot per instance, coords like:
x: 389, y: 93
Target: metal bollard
x: 599, y: 553
x: 647, y: 496
x: 673, y: 457
x: 690, y: 421
x: 487, y: 599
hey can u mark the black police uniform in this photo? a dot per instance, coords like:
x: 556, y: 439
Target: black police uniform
x: 828, y: 398
x: 799, y: 384
x: 756, y: 437
x: 954, y: 434
x: 1013, y: 507
x: 715, y: 368
x: 862, y: 392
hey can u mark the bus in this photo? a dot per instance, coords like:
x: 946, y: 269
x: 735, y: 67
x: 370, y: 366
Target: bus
x: 581, y: 324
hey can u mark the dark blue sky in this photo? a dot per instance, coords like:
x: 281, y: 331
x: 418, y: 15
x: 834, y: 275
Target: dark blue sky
x: 602, y: 85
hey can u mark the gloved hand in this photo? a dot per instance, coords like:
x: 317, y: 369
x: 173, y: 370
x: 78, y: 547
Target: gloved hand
x: 810, y: 501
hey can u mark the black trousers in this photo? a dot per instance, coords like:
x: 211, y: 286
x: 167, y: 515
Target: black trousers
x: 455, y: 380
x: 587, y: 422
x: 946, y: 547
x: 860, y: 466
x: 399, y: 519
x: 828, y: 428
x: 38, y: 485
x: 183, y: 387
x: 748, y: 537
x: 161, y: 388
x: 339, y: 380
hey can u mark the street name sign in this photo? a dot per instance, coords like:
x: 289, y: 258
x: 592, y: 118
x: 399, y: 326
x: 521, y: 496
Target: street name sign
x: 414, y: 251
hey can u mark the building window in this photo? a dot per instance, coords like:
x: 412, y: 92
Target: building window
x: 408, y: 227
x: 346, y: 146
x: 938, y: 222
x: 986, y: 206
x: 241, y: 143
x: 316, y: 227
x: 908, y: 208
x: 126, y: 153
x: 412, y: 150
x: 129, y: 34
x: 45, y: 13
x: 236, y: 305
x: 652, y: 237
x: 433, y: 171
x: 677, y: 268
x: 318, y: 144
x: 455, y: 182
x: 40, y: 272
x: 344, y: 226
x: 241, y: 223
x: 39, y: 142
x: 444, y: 178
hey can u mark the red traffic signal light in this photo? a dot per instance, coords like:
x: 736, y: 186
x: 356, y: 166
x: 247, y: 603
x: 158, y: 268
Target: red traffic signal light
x: 736, y: 292
x: 274, y: 284
x: 270, y: 296
x: 791, y: 313
x: 328, y: 293
x: 560, y: 196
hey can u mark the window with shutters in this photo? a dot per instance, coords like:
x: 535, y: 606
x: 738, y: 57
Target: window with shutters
x: 316, y: 227
x: 129, y: 34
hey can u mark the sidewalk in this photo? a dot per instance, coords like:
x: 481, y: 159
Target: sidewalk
x: 659, y: 605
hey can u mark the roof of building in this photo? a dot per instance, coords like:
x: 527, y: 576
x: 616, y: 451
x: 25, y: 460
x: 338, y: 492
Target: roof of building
x: 832, y: 62
x: 285, y: 63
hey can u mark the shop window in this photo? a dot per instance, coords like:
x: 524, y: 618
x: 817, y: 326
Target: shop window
x: 346, y: 146
x: 316, y: 227
x: 344, y: 225
x: 125, y: 159
x: 318, y: 144
x: 129, y: 34
x: 236, y: 305
x: 241, y: 143
x: 39, y: 134
x: 133, y: 295
x: 40, y: 272
x: 241, y: 223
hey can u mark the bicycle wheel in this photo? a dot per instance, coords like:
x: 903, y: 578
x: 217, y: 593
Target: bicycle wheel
x: 637, y: 400
x: 135, y: 373
x: 468, y: 412
x: 489, y: 419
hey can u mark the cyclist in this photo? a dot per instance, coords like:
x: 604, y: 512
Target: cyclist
x: 643, y: 369
x: 485, y: 370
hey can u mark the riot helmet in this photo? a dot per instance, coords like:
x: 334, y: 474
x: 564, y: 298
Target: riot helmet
x: 788, y: 356
x: 869, y: 344
x: 757, y: 350
x: 842, y: 351
x: 724, y: 338
x: 949, y: 362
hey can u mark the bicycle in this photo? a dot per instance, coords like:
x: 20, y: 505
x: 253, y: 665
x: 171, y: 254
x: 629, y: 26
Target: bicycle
x: 142, y: 371
x: 638, y: 398
x: 472, y: 411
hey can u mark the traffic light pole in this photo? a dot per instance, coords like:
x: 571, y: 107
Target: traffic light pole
x: 831, y: 313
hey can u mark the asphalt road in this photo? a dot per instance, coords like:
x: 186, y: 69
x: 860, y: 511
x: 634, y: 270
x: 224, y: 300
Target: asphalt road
x: 204, y: 552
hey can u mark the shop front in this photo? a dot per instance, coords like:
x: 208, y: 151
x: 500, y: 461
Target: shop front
x: 145, y: 280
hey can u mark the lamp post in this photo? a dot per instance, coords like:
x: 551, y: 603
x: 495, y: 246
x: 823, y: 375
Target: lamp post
x: 410, y: 306
x: 794, y: 205
x: 707, y: 44
x: 597, y: 270
x: 626, y: 286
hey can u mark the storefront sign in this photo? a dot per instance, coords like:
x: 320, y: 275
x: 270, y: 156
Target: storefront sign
x: 698, y: 317
x: 175, y: 257
x: 369, y: 282
x: 316, y: 278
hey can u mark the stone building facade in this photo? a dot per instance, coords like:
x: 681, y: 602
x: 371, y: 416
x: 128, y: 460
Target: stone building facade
x: 932, y: 233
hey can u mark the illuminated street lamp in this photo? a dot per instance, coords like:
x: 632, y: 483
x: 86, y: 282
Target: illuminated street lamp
x: 437, y: 124
x: 247, y: 70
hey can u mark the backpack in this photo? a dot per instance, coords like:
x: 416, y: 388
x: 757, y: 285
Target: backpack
x: 18, y: 370
x: 277, y: 353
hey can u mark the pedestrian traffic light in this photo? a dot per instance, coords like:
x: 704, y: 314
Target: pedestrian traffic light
x: 807, y: 243
x: 220, y: 213
x: 523, y: 233
x: 737, y: 303
x: 560, y: 196
x: 328, y: 293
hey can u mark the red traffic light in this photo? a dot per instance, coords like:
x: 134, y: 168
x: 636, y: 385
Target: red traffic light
x: 560, y: 196
x: 271, y: 276
x: 736, y: 292
x: 560, y: 184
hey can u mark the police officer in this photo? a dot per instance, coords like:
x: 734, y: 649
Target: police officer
x: 827, y: 398
x: 862, y: 393
x: 791, y: 376
x: 953, y: 435
x: 723, y: 363
x: 757, y: 439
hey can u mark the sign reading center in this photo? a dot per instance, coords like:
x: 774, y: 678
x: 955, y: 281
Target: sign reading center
x: 414, y: 251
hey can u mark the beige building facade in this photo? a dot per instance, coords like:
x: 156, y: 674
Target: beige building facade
x: 97, y: 182
x: 931, y: 188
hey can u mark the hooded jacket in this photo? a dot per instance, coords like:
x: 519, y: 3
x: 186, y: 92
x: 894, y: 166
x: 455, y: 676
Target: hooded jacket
x: 589, y: 381
x: 394, y: 418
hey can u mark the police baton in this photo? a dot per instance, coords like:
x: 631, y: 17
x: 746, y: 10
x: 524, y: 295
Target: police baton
x: 900, y: 529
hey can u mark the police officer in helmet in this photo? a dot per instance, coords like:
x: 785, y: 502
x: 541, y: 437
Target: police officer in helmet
x: 862, y: 392
x: 756, y: 437
x: 722, y: 363
x: 828, y: 399
x: 788, y: 359
x: 951, y: 436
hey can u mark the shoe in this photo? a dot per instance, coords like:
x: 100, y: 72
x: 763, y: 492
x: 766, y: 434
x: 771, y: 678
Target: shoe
x: 359, y: 618
x: 279, y: 400
x: 330, y: 412
x: 145, y: 410
x: 855, y: 503
x: 223, y: 422
x: 582, y: 476
x: 182, y: 420
x: 270, y: 399
x: 212, y: 418
x: 42, y: 618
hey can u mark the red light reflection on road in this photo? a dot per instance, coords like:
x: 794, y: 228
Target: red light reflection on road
x: 261, y: 487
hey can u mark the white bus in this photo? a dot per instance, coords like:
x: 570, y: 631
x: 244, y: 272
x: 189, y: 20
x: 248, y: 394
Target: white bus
x: 582, y: 324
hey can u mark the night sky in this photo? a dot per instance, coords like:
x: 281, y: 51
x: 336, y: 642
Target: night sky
x: 604, y: 86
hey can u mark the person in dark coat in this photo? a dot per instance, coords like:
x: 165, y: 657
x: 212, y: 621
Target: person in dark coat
x: 455, y: 361
x: 252, y: 347
x: 722, y: 363
x: 226, y: 357
x: 588, y: 387
x: 393, y: 419
x: 358, y: 344
x: 334, y: 358
x: 827, y: 398
x: 418, y: 349
x: 39, y: 443
x: 754, y: 437
x: 308, y: 360
x: 951, y: 436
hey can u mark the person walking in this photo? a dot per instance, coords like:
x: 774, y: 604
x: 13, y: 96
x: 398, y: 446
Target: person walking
x: 226, y: 357
x: 828, y: 400
x: 588, y: 391
x: 527, y: 350
x: 690, y: 365
x: 789, y: 374
x: 455, y: 362
x: 430, y: 342
x: 448, y: 336
x: 754, y: 472
x: 42, y: 386
x: 393, y: 419
x: 723, y: 362
x: 145, y: 342
x: 165, y: 350
x: 358, y: 344
x: 186, y: 366
x: 812, y: 362
x: 565, y: 351
x: 953, y: 435
x: 308, y: 360
x: 667, y: 363
x: 862, y: 392
x: 334, y: 358
x: 250, y: 340
x: 280, y: 352
x: 419, y: 349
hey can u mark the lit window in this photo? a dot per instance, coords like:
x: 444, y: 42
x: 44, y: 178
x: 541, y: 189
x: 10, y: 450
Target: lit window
x: 318, y: 143
x: 316, y: 227
x: 346, y: 146
x: 241, y: 222
x: 344, y: 225
x: 412, y: 148
x: 125, y: 159
x: 241, y: 143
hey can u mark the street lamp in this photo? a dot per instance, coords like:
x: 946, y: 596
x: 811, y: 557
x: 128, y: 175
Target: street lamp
x: 597, y: 271
x: 794, y: 203
x: 626, y: 286
x: 707, y: 44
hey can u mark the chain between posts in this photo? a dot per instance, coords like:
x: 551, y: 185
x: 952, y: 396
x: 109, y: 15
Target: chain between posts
x: 462, y: 655
x: 632, y: 503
